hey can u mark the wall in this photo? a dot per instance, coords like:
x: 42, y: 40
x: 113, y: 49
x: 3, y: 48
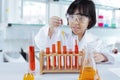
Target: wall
x: 0, y: 10
x: 110, y: 35
x: 17, y: 37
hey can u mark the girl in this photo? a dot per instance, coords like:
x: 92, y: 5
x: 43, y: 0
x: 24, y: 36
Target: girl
x: 81, y: 16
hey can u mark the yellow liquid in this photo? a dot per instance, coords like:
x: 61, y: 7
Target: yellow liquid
x: 87, y: 74
x: 28, y: 76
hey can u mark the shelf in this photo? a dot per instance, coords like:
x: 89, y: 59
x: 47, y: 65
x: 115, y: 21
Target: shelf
x: 21, y: 24
x: 106, y: 7
x: 107, y: 27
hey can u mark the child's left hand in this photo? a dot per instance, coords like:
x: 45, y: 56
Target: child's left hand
x: 100, y: 58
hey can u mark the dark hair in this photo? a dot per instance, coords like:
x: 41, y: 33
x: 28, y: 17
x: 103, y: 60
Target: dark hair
x: 86, y: 7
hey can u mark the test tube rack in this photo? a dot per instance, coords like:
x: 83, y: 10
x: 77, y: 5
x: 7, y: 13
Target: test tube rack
x: 43, y: 58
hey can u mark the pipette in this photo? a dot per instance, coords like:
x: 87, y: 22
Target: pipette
x: 64, y: 49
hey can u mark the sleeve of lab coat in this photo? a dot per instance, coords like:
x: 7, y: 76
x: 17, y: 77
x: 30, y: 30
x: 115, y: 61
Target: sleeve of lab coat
x: 41, y: 38
x: 102, y: 48
x: 107, y: 52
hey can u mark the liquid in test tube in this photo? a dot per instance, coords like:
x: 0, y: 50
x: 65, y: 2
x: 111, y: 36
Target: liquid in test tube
x: 32, y: 58
x: 76, y: 52
x: 64, y: 49
x: 31, y: 53
x: 54, y: 52
x: 59, y: 52
x: 70, y: 58
x: 48, y: 52
x: 70, y: 51
x: 48, y: 57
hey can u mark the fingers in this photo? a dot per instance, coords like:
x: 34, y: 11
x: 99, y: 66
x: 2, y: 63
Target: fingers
x: 98, y: 57
x: 55, y: 21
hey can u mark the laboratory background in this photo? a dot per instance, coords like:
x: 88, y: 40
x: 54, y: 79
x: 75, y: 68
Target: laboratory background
x: 21, y: 18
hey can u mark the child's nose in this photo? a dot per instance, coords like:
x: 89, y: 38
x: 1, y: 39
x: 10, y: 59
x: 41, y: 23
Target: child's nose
x: 76, y: 21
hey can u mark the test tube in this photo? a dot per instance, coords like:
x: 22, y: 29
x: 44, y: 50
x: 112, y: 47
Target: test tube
x: 59, y: 47
x: 64, y: 49
x: 47, y: 53
x: 76, y: 51
x: 32, y: 58
x: 31, y: 53
x: 59, y: 52
x: 70, y: 51
x: 64, y: 42
x: 54, y: 52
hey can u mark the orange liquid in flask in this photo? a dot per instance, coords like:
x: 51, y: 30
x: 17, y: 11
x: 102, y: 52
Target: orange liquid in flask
x: 88, y: 73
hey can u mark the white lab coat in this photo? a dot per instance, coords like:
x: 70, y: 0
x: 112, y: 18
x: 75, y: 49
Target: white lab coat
x: 41, y: 41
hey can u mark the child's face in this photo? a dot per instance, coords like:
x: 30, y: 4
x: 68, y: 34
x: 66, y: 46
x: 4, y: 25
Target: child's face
x: 78, y: 23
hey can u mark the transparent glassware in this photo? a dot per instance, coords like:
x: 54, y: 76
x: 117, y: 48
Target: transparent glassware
x: 70, y: 50
x: 89, y: 69
x: 28, y: 76
x: 31, y: 59
x: 31, y: 53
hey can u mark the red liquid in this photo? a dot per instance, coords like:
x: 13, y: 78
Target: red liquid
x: 76, y: 47
x: 65, y: 52
x: 48, y: 60
x: 76, y: 57
x: 59, y: 52
x: 59, y: 47
x: 31, y: 58
x: 53, y: 48
x: 76, y: 52
x: 100, y: 24
x: 54, y: 51
x: 64, y: 49
x: 70, y: 59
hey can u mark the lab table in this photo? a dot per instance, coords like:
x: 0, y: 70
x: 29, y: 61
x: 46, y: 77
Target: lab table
x: 16, y: 71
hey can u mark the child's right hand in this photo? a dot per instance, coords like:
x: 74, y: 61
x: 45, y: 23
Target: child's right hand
x: 54, y: 22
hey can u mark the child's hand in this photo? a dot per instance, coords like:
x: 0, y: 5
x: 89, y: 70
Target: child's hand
x: 99, y: 58
x: 54, y: 22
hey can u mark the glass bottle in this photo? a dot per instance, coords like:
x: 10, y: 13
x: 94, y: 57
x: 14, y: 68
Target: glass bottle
x: 100, y: 21
x: 113, y: 23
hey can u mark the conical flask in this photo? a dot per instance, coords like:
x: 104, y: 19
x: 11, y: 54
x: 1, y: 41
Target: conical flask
x: 89, y: 70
